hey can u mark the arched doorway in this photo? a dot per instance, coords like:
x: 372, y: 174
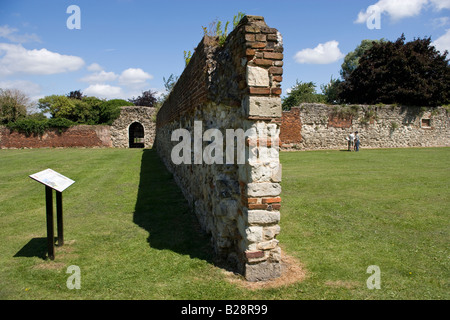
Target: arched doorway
x: 136, y: 135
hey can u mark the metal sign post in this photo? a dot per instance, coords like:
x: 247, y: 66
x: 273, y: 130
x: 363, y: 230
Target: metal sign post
x: 53, y: 180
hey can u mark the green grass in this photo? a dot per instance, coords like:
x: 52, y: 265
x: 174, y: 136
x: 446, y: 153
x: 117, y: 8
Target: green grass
x: 133, y: 235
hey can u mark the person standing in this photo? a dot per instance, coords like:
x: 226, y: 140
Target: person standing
x: 350, y: 140
x: 357, y: 141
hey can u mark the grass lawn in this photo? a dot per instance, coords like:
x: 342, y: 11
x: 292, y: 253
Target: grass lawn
x: 131, y: 233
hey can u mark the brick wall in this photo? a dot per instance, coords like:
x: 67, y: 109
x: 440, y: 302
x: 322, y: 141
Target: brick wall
x: 77, y: 136
x: 234, y: 86
x: 291, y: 127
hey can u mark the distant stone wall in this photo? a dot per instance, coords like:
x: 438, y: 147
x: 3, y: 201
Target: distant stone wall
x: 77, y: 136
x: 129, y: 115
x: 318, y: 126
x: 116, y: 135
x: 236, y: 86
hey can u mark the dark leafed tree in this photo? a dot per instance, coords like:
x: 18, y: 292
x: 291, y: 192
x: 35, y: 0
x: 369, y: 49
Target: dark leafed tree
x: 147, y: 99
x: 77, y: 94
x: 351, y: 60
x: 412, y: 73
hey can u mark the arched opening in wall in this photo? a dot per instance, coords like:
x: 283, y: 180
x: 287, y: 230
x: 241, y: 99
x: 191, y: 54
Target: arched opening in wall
x: 136, y: 135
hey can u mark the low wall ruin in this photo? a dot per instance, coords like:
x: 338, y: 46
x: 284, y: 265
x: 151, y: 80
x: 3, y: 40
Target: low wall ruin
x: 76, y: 136
x: 116, y: 135
x: 319, y: 126
x: 234, y: 86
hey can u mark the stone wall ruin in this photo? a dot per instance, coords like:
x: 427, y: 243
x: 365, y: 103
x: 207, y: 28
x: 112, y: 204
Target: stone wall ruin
x: 116, y: 135
x: 234, y: 86
x: 128, y: 115
x: 319, y: 126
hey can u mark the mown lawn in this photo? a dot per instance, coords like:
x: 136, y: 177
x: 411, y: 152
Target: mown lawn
x: 133, y: 236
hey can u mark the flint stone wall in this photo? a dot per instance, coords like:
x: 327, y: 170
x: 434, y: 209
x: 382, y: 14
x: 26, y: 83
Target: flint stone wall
x: 318, y: 126
x: 128, y: 116
x: 234, y: 86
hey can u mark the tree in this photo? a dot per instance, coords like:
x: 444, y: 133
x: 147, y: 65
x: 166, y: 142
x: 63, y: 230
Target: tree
x: 56, y: 105
x: 331, y: 91
x: 147, y: 99
x: 13, y: 105
x: 77, y: 94
x: 351, y: 60
x: 302, y: 92
x: 110, y: 110
x: 412, y: 73
x: 86, y: 110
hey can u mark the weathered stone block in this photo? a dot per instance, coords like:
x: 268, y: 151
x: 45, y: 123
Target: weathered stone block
x: 257, y: 77
x: 262, y: 106
x: 277, y: 173
x: 263, y: 189
x: 262, y: 217
x: 254, y: 234
x: 262, y: 271
x: 267, y: 245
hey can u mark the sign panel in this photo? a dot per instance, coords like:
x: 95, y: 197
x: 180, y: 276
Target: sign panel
x: 53, y: 179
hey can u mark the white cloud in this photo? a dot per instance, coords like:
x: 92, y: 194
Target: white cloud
x: 443, y: 42
x: 104, y: 91
x: 99, y: 77
x: 31, y: 89
x: 133, y: 76
x: 11, y: 34
x: 94, y: 67
x: 324, y: 53
x: 17, y: 59
x: 440, y: 22
x: 399, y: 9
x: 129, y: 83
x: 441, y: 4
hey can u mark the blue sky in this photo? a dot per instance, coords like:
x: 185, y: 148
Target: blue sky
x: 127, y: 46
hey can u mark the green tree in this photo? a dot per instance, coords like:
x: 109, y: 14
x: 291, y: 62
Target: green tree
x: 13, y: 105
x: 302, y: 92
x: 86, y: 110
x: 331, y: 91
x: 351, y: 60
x: 56, y: 105
x: 110, y: 110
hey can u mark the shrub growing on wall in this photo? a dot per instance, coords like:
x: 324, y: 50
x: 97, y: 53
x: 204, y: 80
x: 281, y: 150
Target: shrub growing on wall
x: 39, y: 126
x: 110, y: 110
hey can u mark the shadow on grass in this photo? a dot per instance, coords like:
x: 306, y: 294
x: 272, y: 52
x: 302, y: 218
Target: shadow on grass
x: 36, y: 247
x: 162, y: 210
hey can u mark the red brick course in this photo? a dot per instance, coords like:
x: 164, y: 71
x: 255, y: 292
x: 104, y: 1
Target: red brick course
x: 77, y: 136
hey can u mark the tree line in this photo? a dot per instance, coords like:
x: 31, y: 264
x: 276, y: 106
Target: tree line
x: 63, y: 111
